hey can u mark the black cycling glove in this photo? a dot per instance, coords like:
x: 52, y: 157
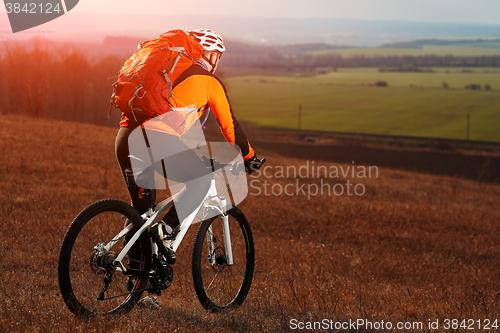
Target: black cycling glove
x: 253, y: 164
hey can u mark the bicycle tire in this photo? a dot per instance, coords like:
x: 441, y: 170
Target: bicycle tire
x: 82, y: 268
x: 220, y: 286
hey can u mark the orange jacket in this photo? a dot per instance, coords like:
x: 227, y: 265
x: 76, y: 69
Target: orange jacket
x: 193, y: 90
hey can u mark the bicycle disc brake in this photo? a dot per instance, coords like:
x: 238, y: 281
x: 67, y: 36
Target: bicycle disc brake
x: 218, y: 259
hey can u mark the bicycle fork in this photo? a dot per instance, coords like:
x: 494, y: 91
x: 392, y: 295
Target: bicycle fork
x: 226, y: 234
x: 227, y: 239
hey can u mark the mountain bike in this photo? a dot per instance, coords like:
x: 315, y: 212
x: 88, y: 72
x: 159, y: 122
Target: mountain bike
x: 108, y: 258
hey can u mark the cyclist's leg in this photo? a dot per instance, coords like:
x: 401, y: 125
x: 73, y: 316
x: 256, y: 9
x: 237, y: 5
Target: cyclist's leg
x: 171, y: 218
x: 181, y: 164
x: 141, y: 198
x: 188, y: 169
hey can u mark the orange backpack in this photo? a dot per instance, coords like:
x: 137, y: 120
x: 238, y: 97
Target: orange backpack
x: 145, y: 81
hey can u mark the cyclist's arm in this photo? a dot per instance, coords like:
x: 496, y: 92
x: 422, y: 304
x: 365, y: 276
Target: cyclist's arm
x: 197, y: 87
x: 230, y: 127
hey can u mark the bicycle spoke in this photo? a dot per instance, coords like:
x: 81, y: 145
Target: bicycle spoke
x: 87, y: 283
x: 215, y: 276
x: 219, y: 285
x: 90, y: 245
x: 86, y: 266
x: 238, y: 241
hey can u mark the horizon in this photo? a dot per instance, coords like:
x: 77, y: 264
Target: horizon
x: 356, y: 22
x: 93, y: 28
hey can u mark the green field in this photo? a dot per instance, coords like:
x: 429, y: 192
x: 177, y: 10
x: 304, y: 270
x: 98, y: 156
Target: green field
x: 348, y: 101
x: 463, y: 50
x: 454, y: 77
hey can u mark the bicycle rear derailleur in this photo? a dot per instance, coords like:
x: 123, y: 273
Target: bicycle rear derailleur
x: 102, y: 261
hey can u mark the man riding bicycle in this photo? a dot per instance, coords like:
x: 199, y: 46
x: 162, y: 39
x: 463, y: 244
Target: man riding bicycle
x: 196, y: 88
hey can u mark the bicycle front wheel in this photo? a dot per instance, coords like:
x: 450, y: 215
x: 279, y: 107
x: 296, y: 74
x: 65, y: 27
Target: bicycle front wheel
x: 90, y: 282
x: 218, y: 283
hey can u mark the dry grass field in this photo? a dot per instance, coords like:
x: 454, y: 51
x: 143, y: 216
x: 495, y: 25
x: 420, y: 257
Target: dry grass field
x: 413, y: 248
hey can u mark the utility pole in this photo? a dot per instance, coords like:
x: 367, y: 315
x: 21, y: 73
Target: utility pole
x: 300, y: 116
x: 468, y: 125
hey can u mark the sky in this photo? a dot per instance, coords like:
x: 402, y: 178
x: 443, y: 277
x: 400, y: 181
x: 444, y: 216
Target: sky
x: 151, y: 17
x: 457, y: 11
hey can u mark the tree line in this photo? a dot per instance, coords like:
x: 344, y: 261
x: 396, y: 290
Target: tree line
x: 41, y: 79
x: 304, y: 62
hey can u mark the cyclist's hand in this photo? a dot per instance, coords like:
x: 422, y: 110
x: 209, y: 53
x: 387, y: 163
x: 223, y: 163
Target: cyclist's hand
x: 253, y: 164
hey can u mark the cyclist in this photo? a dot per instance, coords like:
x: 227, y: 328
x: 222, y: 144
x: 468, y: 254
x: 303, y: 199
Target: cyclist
x: 199, y: 87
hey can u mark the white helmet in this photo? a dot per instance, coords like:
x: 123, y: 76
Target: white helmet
x: 209, y: 40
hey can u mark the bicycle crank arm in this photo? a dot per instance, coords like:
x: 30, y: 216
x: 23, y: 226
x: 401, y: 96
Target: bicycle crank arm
x: 137, y: 272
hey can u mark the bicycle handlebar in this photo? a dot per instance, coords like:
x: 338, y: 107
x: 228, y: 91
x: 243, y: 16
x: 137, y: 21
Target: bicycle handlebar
x: 213, y: 165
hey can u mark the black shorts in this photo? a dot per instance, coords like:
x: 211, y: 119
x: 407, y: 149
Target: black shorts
x: 179, y: 163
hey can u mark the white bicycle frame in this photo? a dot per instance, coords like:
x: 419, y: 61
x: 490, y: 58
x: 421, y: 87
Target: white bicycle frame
x: 212, y: 201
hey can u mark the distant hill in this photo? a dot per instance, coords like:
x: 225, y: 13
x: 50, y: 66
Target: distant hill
x: 418, y: 44
x: 123, y: 45
x: 126, y: 45
x: 253, y: 30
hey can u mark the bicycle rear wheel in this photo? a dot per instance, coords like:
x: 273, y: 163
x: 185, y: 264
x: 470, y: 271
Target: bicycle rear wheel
x: 89, y: 281
x: 218, y: 284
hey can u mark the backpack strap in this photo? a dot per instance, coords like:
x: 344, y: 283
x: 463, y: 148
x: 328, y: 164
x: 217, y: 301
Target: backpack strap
x: 194, y: 70
x: 181, y: 52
